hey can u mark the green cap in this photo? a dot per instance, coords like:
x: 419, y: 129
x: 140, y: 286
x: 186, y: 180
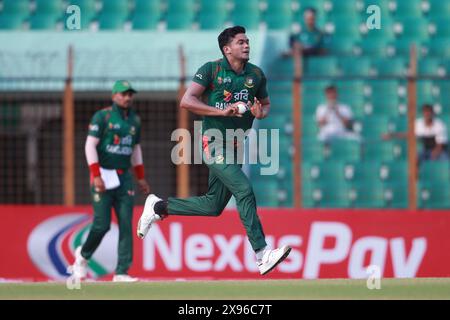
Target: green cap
x: 122, y: 86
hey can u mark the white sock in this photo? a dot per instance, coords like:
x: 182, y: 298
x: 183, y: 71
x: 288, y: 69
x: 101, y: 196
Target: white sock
x: 259, y: 254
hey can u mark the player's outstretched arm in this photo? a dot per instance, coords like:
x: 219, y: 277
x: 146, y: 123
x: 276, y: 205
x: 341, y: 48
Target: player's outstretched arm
x: 192, y: 101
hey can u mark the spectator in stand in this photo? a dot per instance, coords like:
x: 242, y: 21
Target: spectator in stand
x: 310, y: 41
x: 433, y: 134
x: 334, y: 119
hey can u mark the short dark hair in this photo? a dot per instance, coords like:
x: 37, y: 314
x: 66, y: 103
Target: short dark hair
x: 313, y: 10
x: 227, y: 35
x: 428, y: 107
x: 330, y: 87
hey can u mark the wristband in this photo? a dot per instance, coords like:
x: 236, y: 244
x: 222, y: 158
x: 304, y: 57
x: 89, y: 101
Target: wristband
x: 95, y: 169
x: 139, y: 171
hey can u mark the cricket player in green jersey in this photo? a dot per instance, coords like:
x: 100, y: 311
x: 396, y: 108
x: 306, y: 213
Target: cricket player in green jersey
x: 112, y: 147
x: 217, y: 89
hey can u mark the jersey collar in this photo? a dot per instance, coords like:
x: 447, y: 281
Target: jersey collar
x: 226, y: 65
x: 120, y: 111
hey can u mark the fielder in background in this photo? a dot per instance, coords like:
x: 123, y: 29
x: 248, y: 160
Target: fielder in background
x: 217, y: 90
x: 112, y: 147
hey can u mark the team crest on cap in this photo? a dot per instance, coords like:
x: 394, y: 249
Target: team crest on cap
x: 249, y: 83
x: 125, y: 83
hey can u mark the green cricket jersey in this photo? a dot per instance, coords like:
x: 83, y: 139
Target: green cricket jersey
x: 118, y: 135
x: 224, y: 87
x: 311, y: 38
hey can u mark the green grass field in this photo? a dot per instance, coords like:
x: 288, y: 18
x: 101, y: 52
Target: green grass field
x: 234, y: 290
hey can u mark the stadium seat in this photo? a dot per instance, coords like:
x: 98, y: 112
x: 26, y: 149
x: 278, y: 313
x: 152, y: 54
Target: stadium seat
x: 282, y: 68
x: 280, y: 86
x: 434, y: 171
x: 330, y: 194
x: 323, y: 66
x: 325, y: 171
x: 179, y: 21
x: 246, y: 14
x: 180, y: 14
x: 248, y: 19
x: 49, y: 7
x: 316, y: 4
x: 434, y: 195
x: 145, y: 20
x: 374, y: 127
x: 340, y: 45
x: 402, y: 47
x: 267, y: 192
x: 380, y: 151
x: 412, y: 28
x: 115, y: 7
x: 11, y: 21
x: 213, y: 14
x: 438, y: 9
x: 431, y: 67
x: 276, y: 121
x: 364, y: 171
x: 386, y: 88
x: 440, y: 27
x: 373, y: 46
x: 387, y: 107
x: 44, y: 21
x: 351, y: 87
x: 343, y: 8
x: 367, y: 194
x: 424, y: 92
x: 148, y: 5
x: 398, y: 124
x: 17, y: 8
x: 439, y: 47
x: 278, y: 14
x: 395, y: 172
x: 312, y: 150
x: 111, y: 21
x: 355, y: 66
x: 212, y: 21
x: 310, y: 128
x: 344, y: 150
x: 395, y: 194
x: 281, y: 104
x: 393, y: 66
x: 213, y: 6
x: 410, y: 8
x: 344, y: 27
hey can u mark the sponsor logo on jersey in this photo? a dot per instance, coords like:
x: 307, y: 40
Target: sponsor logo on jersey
x: 116, y: 139
x: 227, y: 96
x: 199, y: 75
x: 93, y: 127
x: 115, y: 126
x: 241, y: 95
x: 227, y: 80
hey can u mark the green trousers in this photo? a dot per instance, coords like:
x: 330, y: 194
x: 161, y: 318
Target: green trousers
x: 224, y: 181
x: 122, y: 200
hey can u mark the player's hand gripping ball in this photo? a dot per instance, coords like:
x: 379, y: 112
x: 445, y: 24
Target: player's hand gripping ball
x: 242, y: 107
